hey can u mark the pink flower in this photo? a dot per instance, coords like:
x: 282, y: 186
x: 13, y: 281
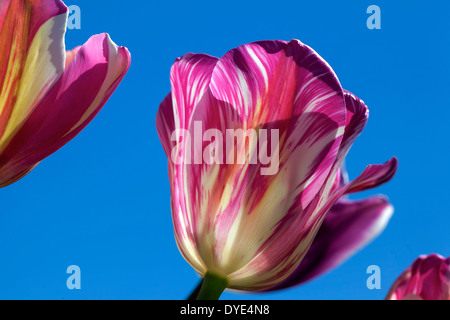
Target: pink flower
x: 231, y: 218
x: 428, y: 278
x: 48, y: 95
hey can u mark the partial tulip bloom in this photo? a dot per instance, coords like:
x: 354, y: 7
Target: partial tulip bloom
x: 283, y: 108
x: 428, y: 278
x: 48, y: 95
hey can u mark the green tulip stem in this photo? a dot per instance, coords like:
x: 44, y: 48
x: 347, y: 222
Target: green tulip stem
x: 212, y: 287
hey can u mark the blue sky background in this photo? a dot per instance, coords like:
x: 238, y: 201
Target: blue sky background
x: 102, y: 202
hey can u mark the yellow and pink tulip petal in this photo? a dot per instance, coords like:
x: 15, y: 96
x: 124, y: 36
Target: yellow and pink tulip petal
x: 48, y: 95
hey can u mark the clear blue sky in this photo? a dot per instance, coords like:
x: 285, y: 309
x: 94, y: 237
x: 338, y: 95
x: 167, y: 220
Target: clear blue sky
x: 102, y: 202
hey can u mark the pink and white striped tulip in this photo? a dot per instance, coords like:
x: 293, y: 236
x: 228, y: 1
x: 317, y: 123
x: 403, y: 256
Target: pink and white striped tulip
x: 428, y: 278
x: 253, y: 229
x: 48, y: 95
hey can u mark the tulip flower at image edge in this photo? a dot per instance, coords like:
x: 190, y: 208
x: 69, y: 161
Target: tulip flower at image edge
x: 428, y: 278
x: 48, y: 95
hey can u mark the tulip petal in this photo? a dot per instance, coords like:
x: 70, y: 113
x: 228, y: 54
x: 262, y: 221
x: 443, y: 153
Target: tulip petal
x: 190, y: 78
x: 357, y: 115
x: 373, y: 176
x: 248, y: 78
x: 165, y: 125
x: 31, y: 13
x: 63, y: 112
x: 32, y: 58
x: 4, y: 6
x: 348, y: 226
x: 70, y: 55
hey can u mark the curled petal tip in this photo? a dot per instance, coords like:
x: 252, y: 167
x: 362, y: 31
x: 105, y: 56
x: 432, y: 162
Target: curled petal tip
x: 374, y: 175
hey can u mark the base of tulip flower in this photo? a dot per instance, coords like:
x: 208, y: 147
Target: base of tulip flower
x: 211, y: 287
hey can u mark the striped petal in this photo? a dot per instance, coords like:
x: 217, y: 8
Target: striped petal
x: 68, y: 106
x: 32, y: 58
x: 190, y: 77
x: 357, y: 115
x: 347, y: 227
x: 288, y: 85
x: 336, y: 184
x: 371, y: 177
x: 165, y: 125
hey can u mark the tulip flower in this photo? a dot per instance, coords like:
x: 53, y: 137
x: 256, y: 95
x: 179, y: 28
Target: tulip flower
x: 48, y: 95
x: 428, y: 278
x: 241, y: 227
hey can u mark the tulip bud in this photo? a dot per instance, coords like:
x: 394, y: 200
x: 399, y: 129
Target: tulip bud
x: 428, y: 278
